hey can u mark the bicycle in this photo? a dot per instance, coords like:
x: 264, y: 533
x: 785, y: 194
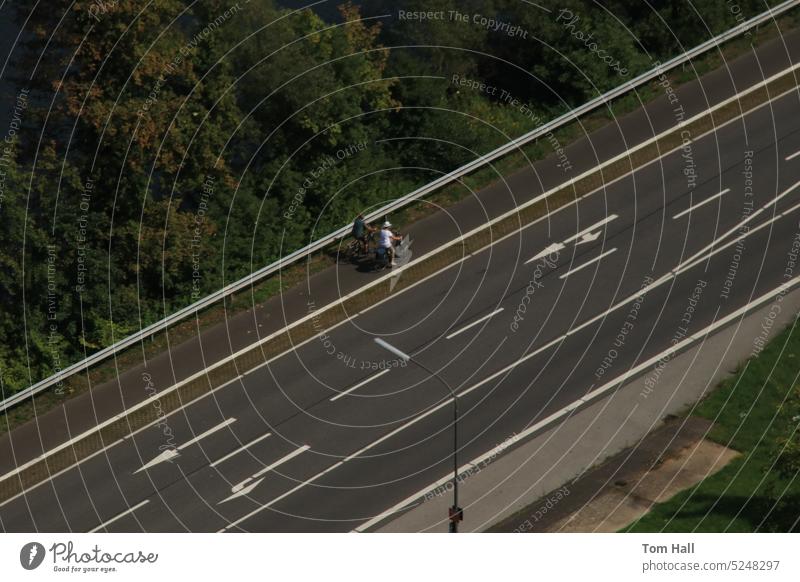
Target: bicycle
x: 354, y: 250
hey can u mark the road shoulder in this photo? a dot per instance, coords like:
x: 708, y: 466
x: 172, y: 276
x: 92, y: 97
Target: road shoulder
x: 608, y: 497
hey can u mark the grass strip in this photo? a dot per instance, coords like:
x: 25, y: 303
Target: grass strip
x: 756, y: 412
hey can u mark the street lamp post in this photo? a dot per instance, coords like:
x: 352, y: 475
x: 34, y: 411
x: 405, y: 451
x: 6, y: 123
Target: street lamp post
x: 456, y: 514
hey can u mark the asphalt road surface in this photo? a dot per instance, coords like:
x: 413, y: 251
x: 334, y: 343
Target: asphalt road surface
x: 334, y: 432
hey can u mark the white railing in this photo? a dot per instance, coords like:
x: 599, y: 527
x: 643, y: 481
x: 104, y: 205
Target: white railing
x: 397, y: 204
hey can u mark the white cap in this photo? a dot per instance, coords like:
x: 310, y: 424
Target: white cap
x: 387, y: 224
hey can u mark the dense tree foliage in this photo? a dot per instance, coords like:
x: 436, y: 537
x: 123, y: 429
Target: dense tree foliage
x: 167, y: 148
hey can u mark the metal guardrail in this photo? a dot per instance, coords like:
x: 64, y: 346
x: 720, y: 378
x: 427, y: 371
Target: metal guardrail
x: 397, y: 204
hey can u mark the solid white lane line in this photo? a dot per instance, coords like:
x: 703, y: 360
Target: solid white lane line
x: 240, y: 449
x: 282, y: 460
x: 204, y: 372
x: 121, y: 515
x: 792, y: 156
x: 209, y: 432
x: 602, y: 390
x: 738, y: 227
x: 474, y: 323
x: 359, y: 385
x: 699, y: 204
x: 242, y: 488
x: 583, y: 266
x: 585, y: 235
x: 753, y: 230
x: 171, y: 453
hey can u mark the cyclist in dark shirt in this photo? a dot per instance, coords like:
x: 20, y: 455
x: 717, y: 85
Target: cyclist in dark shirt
x: 361, y: 232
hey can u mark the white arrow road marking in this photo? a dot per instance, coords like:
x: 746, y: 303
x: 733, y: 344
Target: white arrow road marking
x: 166, y: 455
x: 594, y: 260
x: 589, y: 237
x: 553, y: 248
x: 242, y: 488
x: 586, y: 235
x: 592, y: 228
x: 170, y: 454
x: 402, y: 256
x: 242, y: 491
x: 699, y: 204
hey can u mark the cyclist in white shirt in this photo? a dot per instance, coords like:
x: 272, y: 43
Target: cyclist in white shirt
x: 386, y: 239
